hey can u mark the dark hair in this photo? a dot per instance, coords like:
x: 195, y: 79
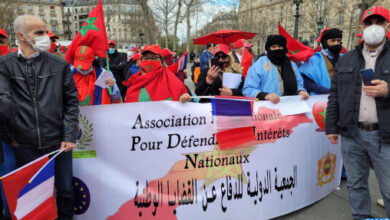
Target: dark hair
x: 209, y: 45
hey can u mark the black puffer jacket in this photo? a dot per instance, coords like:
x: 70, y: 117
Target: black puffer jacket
x: 345, y: 93
x: 51, y: 115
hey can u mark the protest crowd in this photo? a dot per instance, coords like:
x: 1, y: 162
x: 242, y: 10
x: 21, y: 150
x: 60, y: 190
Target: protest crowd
x: 42, y: 89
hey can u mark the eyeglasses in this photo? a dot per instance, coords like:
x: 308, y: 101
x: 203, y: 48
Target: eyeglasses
x: 151, y: 58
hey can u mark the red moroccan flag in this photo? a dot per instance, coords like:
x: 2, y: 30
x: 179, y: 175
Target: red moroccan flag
x: 296, y: 50
x: 158, y: 85
x: 92, y: 34
x: 246, y: 62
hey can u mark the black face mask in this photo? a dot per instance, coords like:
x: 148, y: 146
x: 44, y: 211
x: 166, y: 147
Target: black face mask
x: 335, y: 49
x: 223, y: 65
x: 277, y: 56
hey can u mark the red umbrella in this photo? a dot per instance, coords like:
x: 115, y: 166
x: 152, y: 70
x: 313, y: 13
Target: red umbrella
x: 223, y: 37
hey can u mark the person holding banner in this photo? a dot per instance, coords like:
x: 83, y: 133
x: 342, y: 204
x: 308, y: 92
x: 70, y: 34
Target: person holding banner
x: 358, y: 110
x: 274, y: 75
x: 39, y: 88
x: 154, y: 82
x: 210, y: 80
x: 85, y: 75
x: 319, y: 69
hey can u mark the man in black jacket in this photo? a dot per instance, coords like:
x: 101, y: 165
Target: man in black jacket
x: 39, y: 87
x: 360, y: 113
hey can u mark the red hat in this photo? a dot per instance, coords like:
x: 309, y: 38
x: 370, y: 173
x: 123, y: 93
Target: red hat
x: 319, y: 38
x: 136, y: 57
x: 166, y: 52
x: 84, y: 57
x: 2, y: 32
x: 152, y: 48
x: 376, y: 10
x: 136, y: 49
x: 220, y: 48
x: 239, y: 43
x: 51, y: 35
x: 111, y: 42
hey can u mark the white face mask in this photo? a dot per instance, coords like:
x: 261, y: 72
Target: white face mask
x: 42, y: 43
x: 374, y: 34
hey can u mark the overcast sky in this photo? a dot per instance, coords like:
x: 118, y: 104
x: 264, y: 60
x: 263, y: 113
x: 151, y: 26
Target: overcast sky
x: 209, y: 10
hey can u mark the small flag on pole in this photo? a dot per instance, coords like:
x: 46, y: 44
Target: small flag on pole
x: 30, y: 190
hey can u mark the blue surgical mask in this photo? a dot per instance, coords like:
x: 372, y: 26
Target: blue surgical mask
x: 111, y: 51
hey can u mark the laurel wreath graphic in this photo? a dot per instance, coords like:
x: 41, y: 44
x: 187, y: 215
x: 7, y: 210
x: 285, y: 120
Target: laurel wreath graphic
x: 87, y: 135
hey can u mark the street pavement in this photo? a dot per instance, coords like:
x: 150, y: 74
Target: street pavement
x: 333, y: 207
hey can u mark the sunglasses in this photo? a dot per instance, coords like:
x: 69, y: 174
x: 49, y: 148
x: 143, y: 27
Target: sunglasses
x: 223, y: 56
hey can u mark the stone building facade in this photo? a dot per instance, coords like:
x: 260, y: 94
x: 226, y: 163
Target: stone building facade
x: 50, y: 11
x: 123, y: 19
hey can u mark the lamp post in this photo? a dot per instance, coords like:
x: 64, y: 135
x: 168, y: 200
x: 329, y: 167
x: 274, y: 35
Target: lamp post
x: 320, y: 26
x: 141, y: 37
x: 297, y: 3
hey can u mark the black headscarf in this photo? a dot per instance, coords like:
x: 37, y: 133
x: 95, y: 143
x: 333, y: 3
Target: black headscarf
x: 279, y: 58
x: 335, y: 49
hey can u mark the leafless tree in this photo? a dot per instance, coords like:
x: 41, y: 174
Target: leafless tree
x: 178, y: 18
x: 7, y: 13
x: 162, y: 10
x: 149, y: 24
x: 191, y: 7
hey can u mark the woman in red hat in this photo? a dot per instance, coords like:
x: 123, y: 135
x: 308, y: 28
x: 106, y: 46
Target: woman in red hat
x: 154, y: 82
x: 210, y: 79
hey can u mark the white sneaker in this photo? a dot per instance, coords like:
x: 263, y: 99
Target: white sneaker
x: 380, y: 203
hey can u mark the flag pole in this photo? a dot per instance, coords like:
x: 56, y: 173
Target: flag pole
x: 36, y: 174
x: 108, y: 70
x: 27, y: 164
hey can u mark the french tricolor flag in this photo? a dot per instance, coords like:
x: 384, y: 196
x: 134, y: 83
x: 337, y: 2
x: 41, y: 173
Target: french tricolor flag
x: 234, y: 121
x: 30, y: 190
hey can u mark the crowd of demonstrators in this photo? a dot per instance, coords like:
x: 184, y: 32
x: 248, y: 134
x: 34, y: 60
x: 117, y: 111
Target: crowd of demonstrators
x: 358, y: 112
x: 274, y: 75
x: 41, y: 101
x: 318, y: 70
x: 85, y: 73
x: 210, y: 79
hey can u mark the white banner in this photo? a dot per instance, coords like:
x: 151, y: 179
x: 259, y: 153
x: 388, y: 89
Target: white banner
x: 160, y: 160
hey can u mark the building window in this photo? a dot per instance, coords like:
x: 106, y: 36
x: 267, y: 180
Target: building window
x: 54, y: 28
x: 12, y: 28
x: 312, y: 39
x: 341, y: 17
x: 40, y: 8
x: 40, y: 1
x: 51, y: 1
x: 29, y: 8
x: 51, y: 8
x: 75, y: 10
x: 342, y: 1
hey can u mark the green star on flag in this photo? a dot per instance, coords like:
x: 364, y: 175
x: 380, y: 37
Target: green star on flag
x: 323, y: 114
x: 292, y: 52
x: 89, y: 26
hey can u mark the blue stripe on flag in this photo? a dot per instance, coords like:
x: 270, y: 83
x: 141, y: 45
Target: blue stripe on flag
x: 228, y: 107
x: 46, y: 173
